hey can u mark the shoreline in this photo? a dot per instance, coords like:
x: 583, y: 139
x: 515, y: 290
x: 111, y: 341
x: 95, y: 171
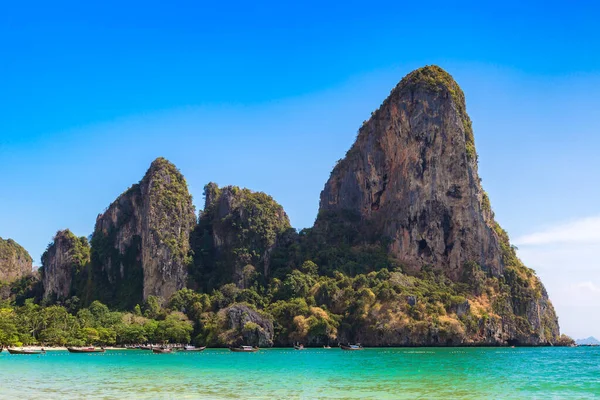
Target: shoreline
x: 113, y: 348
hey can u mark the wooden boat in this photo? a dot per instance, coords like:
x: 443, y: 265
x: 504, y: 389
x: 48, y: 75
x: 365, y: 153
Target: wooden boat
x: 160, y: 350
x: 145, y: 347
x: 327, y: 347
x: 192, y: 348
x: 244, y: 349
x: 352, y: 347
x: 25, y: 351
x: 298, y: 347
x: 85, y: 350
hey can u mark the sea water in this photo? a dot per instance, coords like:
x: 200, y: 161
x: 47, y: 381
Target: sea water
x: 384, y: 373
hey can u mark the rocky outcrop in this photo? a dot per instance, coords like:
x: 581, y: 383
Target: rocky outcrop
x: 410, y: 182
x: 411, y: 177
x: 245, y: 326
x: 15, y: 261
x: 62, y: 263
x: 140, y: 243
x: 237, y: 228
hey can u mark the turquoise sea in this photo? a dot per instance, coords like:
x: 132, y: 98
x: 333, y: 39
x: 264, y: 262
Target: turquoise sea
x: 390, y: 373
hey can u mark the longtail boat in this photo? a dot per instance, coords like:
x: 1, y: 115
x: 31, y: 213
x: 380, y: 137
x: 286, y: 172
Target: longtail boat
x: 85, y: 350
x: 192, y: 348
x: 160, y: 350
x: 244, y: 349
x: 298, y: 347
x: 25, y: 351
x: 352, y: 347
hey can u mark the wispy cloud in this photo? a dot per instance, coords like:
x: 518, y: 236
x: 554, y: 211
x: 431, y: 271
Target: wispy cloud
x: 565, y: 255
x: 588, y: 285
x: 584, y: 231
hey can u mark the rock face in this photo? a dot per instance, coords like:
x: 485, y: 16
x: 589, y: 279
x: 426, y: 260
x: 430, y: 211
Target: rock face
x: 245, y: 326
x: 140, y: 243
x: 15, y: 261
x: 410, y: 180
x: 62, y: 263
x: 411, y: 176
x: 237, y: 228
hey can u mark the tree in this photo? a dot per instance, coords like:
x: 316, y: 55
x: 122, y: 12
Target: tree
x: 9, y: 334
x: 153, y: 307
x: 310, y: 268
x: 175, y: 328
x: 131, y: 333
x: 29, y: 320
x: 189, y: 302
x: 297, y: 284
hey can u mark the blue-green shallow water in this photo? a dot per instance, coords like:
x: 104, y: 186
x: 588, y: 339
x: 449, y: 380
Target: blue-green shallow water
x: 427, y: 373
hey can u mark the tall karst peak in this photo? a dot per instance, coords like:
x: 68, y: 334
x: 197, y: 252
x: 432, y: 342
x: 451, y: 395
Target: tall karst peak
x: 140, y: 243
x: 410, y: 183
x: 411, y: 179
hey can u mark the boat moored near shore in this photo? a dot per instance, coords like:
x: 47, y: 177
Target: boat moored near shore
x: 161, y: 350
x: 25, y: 351
x: 86, y: 350
x: 193, y: 348
x: 244, y: 349
x: 356, y: 346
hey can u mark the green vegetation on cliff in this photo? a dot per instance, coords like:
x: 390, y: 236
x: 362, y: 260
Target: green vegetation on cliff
x: 236, y: 233
x: 169, y: 202
x: 9, y: 248
x: 64, y: 265
x: 437, y: 79
x: 120, y: 287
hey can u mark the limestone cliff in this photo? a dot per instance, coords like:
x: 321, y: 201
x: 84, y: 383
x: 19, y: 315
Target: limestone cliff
x: 236, y: 234
x: 140, y: 243
x: 410, y: 182
x: 412, y: 177
x: 15, y: 261
x: 63, y: 263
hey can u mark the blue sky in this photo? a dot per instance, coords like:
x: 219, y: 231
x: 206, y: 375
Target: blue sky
x: 269, y: 96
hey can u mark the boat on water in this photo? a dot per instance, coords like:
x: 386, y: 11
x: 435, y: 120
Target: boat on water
x: 298, y: 347
x: 327, y: 347
x: 193, y: 348
x: 356, y: 346
x: 145, y: 347
x: 244, y: 349
x: 86, y: 350
x: 161, y: 350
x: 25, y: 351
